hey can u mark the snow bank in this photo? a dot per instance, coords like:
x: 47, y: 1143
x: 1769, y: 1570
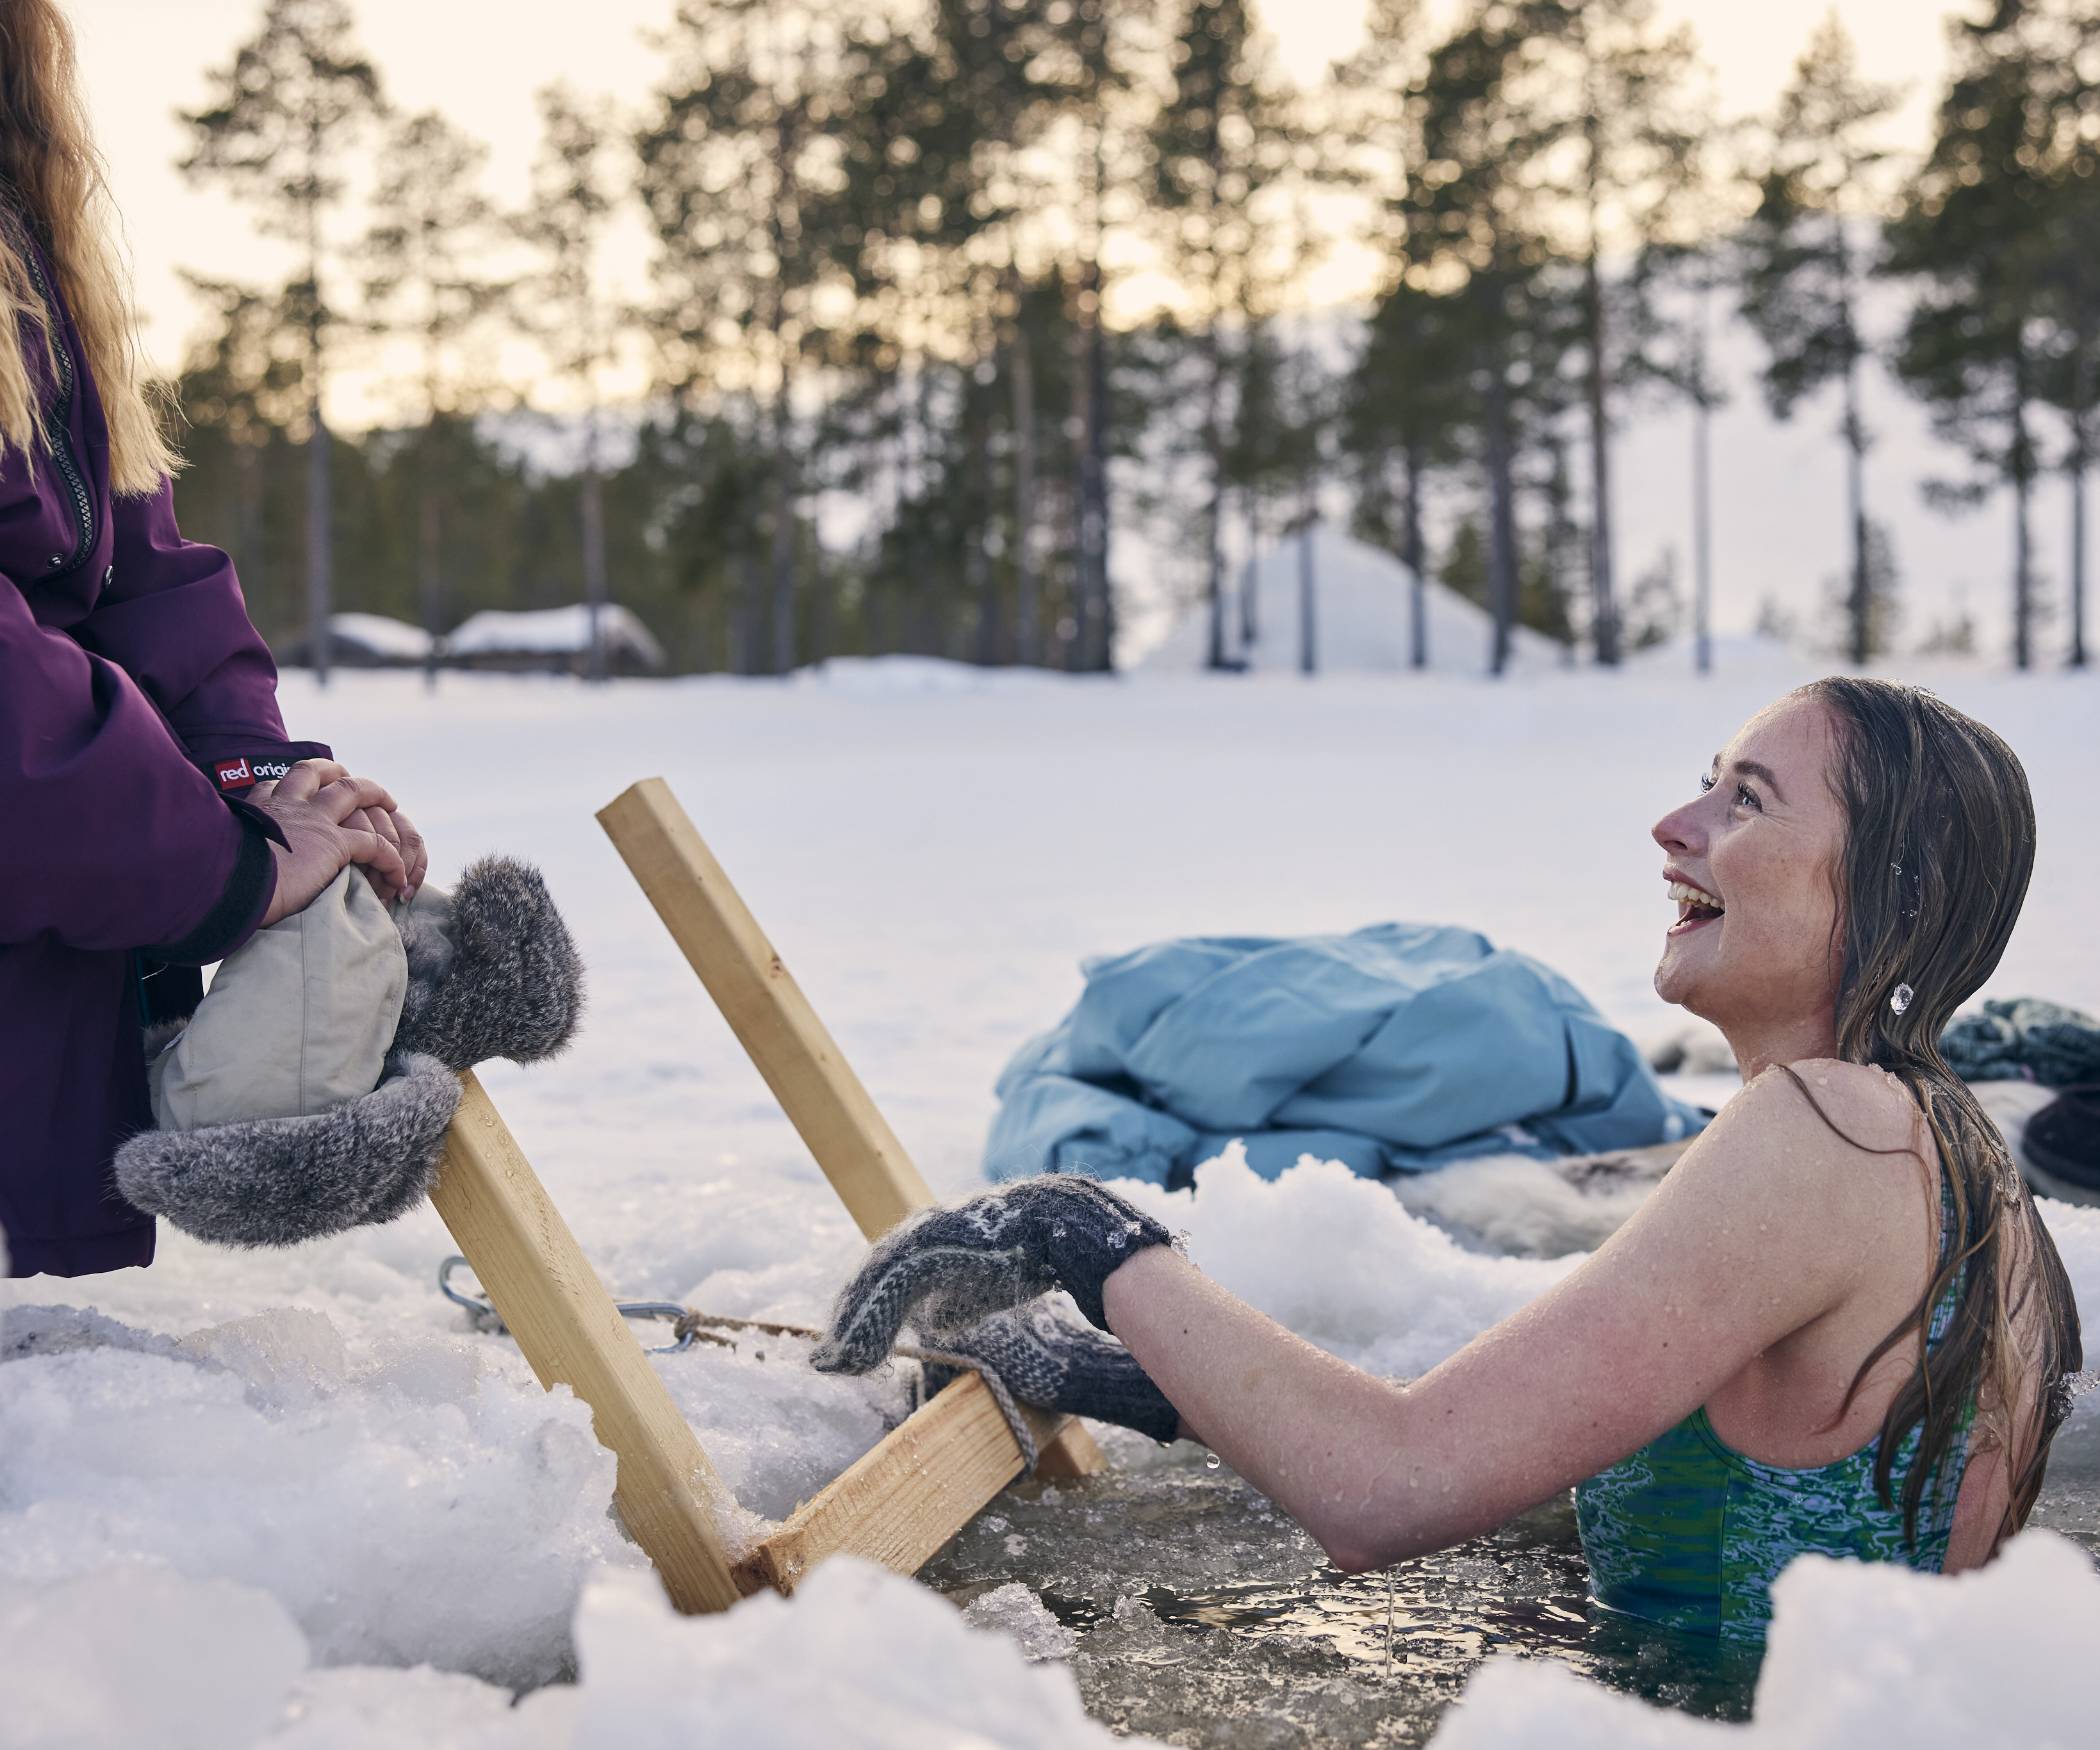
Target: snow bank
x: 858, y: 1656
x: 1858, y: 1654
x: 382, y: 635
x: 550, y: 631
x: 417, y: 1507
x: 1361, y: 619
x: 1391, y: 1293
x: 147, y: 1659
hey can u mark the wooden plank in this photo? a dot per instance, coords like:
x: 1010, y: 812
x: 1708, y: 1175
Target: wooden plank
x: 899, y: 1502
x: 794, y: 1051
x: 765, y: 1008
x: 544, y: 1289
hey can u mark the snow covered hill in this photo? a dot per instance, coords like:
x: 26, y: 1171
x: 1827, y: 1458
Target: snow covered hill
x: 1361, y: 620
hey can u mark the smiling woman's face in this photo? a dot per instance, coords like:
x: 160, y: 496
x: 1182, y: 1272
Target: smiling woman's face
x: 1757, y: 946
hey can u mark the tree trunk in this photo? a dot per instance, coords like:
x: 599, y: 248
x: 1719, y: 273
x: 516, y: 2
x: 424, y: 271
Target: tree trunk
x: 1604, y: 598
x: 783, y: 548
x: 1413, y: 557
x: 2023, y: 542
x: 595, y: 583
x: 1308, y: 585
x: 1099, y: 653
x: 320, y: 591
x: 1214, y: 513
x: 1861, y: 605
x: 2080, y: 459
x: 1502, y: 519
x: 1702, y: 532
x: 1250, y: 603
x: 430, y: 570
x: 1028, y: 589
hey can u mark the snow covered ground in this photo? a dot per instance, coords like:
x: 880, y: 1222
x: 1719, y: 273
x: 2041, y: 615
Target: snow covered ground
x: 247, y: 1495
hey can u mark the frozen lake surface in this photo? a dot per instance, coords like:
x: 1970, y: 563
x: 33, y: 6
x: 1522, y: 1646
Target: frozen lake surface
x: 299, y: 1476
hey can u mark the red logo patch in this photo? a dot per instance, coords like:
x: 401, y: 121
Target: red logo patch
x: 235, y: 775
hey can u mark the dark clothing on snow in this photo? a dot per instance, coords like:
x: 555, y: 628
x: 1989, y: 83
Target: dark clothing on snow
x: 136, y: 702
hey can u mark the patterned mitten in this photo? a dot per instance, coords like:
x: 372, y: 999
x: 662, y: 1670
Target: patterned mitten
x: 948, y: 1270
x: 1052, y: 1364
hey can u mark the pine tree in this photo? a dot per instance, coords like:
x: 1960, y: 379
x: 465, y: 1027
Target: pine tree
x: 1213, y: 152
x: 1968, y: 238
x: 1474, y: 230
x: 431, y: 224
x: 732, y: 162
x: 1806, y: 252
x: 1616, y: 86
x: 281, y: 122
x: 1402, y: 400
x: 574, y: 199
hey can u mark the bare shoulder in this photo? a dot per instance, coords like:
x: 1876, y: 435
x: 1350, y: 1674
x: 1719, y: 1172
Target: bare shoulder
x: 1827, y: 1125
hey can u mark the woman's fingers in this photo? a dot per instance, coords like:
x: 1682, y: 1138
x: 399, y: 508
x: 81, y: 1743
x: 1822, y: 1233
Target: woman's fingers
x: 380, y: 856
x: 413, y: 850
x: 346, y: 795
x: 307, y: 777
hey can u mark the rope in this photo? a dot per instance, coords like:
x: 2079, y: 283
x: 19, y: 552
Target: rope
x: 690, y: 1326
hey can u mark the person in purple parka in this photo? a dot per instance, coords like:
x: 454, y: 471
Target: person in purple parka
x: 143, y: 831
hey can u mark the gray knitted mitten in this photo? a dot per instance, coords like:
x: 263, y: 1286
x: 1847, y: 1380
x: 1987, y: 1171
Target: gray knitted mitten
x: 1052, y: 1364
x: 948, y: 1270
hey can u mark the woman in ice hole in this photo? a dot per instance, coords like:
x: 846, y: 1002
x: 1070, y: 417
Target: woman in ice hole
x: 1838, y: 1325
x: 144, y: 829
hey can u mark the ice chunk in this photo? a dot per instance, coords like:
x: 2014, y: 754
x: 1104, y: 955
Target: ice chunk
x: 1859, y: 1653
x: 1013, y: 1610
x: 856, y: 1644
x: 143, y: 1658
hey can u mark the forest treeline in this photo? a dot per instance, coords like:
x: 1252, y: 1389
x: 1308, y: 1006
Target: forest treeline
x: 909, y: 385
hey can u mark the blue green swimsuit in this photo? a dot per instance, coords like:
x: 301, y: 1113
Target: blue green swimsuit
x: 1690, y: 1533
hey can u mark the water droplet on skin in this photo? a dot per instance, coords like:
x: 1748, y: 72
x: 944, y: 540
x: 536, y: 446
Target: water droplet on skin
x: 1213, y: 1462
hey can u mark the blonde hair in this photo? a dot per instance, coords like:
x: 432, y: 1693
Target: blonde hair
x: 56, y: 181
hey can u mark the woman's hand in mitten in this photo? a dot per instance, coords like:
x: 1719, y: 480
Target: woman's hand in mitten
x: 1051, y: 1363
x: 314, y: 804
x: 947, y: 1270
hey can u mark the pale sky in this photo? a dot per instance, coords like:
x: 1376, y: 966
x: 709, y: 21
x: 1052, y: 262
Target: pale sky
x: 481, y: 61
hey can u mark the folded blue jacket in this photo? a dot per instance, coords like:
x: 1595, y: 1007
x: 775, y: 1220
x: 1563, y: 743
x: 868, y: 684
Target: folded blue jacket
x: 1398, y: 1048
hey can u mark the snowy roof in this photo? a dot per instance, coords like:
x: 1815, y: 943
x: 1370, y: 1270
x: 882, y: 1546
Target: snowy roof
x: 380, y: 634
x: 548, y: 631
x: 1360, y: 618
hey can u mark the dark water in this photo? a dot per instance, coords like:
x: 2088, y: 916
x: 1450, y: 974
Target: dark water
x: 1206, y: 1617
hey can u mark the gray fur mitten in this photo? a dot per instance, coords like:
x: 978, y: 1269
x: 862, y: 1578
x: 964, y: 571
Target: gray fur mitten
x: 491, y: 972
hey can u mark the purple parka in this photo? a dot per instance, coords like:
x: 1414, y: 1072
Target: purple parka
x: 136, y: 702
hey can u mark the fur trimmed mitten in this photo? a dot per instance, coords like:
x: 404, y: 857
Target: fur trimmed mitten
x: 261, y: 1143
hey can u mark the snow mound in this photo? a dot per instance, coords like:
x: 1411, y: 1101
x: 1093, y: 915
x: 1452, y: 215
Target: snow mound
x: 1859, y: 1653
x: 858, y: 1655
x: 1361, y: 618
x: 258, y: 1453
x: 145, y: 1658
x: 1393, y: 1294
x: 381, y: 634
x: 551, y: 631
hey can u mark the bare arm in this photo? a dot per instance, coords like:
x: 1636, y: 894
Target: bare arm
x: 1756, y: 1232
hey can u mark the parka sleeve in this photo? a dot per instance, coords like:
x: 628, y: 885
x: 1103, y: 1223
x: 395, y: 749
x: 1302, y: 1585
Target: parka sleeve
x: 112, y: 838
x: 172, y: 616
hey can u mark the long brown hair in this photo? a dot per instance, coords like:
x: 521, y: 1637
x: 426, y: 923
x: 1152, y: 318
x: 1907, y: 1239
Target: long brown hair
x: 51, y: 174
x: 1938, y: 850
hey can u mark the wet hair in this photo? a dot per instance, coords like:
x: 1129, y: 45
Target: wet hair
x: 53, y: 179
x: 1939, y: 845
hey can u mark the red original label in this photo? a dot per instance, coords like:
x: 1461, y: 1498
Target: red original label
x: 235, y: 775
